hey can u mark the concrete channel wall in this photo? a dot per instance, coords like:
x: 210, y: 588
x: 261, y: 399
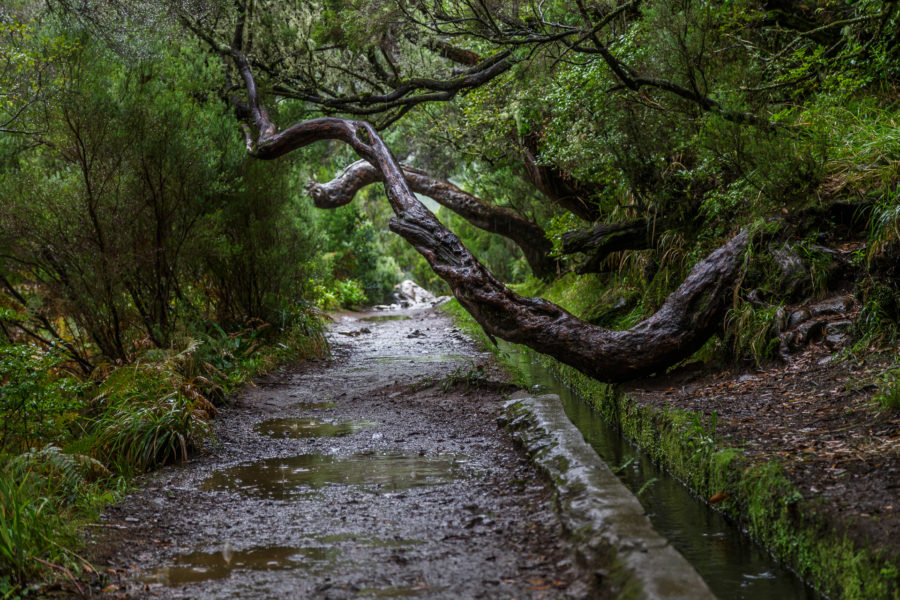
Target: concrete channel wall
x: 606, y: 522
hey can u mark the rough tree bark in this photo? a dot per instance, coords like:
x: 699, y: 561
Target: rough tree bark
x: 677, y: 329
x: 553, y: 183
x: 601, y: 240
x: 494, y: 219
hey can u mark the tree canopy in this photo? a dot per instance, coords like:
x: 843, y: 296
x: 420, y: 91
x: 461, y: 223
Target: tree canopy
x: 584, y: 133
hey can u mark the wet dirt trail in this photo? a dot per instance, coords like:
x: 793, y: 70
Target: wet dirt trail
x: 363, y: 476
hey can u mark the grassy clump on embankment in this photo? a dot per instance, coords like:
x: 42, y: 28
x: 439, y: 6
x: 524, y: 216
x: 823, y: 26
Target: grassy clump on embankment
x: 758, y: 495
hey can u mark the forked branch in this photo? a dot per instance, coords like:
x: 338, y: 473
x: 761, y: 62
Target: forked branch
x: 494, y: 219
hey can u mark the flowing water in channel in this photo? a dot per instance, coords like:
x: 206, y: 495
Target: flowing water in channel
x: 730, y: 562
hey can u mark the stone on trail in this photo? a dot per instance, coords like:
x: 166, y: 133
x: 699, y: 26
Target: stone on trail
x: 409, y: 293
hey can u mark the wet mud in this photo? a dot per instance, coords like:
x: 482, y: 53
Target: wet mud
x: 375, y: 474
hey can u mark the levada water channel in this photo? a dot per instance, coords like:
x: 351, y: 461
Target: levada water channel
x: 731, y: 563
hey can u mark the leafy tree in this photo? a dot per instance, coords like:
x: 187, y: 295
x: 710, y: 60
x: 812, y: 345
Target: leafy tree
x: 137, y: 215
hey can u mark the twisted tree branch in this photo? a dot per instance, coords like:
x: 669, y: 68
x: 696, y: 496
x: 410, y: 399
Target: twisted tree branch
x: 678, y: 328
x: 494, y: 219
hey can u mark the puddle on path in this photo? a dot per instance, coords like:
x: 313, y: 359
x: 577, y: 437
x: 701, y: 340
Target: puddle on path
x: 284, y: 478
x: 385, y: 360
x: 316, y: 405
x: 380, y: 318
x: 206, y: 566
x: 307, y: 428
x: 395, y: 592
x: 366, y: 540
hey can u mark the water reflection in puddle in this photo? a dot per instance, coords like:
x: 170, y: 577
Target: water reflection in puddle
x: 317, y: 405
x: 206, y: 566
x: 395, y: 592
x: 386, y: 360
x: 380, y: 318
x: 284, y: 478
x: 366, y: 540
x: 306, y: 428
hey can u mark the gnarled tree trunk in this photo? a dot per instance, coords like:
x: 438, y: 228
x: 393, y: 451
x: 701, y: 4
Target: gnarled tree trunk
x: 494, y: 219
x: 677, y: 329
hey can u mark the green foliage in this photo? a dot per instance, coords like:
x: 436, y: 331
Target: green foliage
x: 885, y: 229
x: 158, y: 221
x: 62, y: 472
x: 38, y: 493
x: 357, y: 257
x: 701, y: 437
x: 29, y: 524
x: 889, y: 391
x: 258, y: 246
x: 349, y: 293
x: 29, y: 70
x: 877, y: 322
x: 750, y: 332
x: 37, y: 404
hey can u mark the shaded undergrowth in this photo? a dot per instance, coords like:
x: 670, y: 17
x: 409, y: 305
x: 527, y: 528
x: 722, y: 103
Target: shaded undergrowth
x: 69, y: 445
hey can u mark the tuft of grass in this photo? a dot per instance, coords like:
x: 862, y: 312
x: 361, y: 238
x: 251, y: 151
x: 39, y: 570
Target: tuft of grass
x: 37, y: 528
x: 148, y: 436
x: 885, y: 223
x: 750, y: 332
x: 888, y: 394
x: 28, y: 523
x: 865, y: 147
x: 877, y: 322
x: 470, y: 376
x: 148, y: 418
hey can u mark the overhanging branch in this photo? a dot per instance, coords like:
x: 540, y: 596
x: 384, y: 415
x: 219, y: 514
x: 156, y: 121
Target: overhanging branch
x: 678, y: 328
x: 528, y: 236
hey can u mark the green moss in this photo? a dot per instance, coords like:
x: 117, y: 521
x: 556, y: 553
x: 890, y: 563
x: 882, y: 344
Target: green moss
x: 759, y: 496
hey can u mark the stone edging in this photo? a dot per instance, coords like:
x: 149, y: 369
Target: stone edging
x: 604, y: 519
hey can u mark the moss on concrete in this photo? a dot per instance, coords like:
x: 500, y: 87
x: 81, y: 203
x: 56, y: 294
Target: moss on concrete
x: 757, y: 495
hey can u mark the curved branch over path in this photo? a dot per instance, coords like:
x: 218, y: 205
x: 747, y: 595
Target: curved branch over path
x: 677, y: 329
x: 494, y: 219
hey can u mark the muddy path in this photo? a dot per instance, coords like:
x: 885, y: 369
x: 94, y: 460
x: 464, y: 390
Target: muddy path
x: 369, y: 475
